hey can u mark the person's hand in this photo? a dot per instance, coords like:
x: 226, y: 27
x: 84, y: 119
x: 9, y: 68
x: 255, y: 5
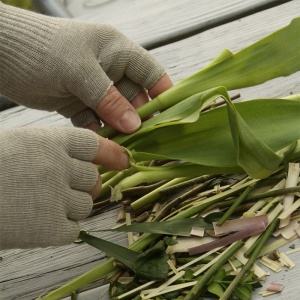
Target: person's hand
x: 84, y: 71
x: 48, y: 179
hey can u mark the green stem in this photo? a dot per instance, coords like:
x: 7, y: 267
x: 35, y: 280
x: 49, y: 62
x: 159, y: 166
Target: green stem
x: 235, y: 204
x: 108, y: 175
x: 172, y: 203
x: 181, y: 170
x: 86, y: 278
x: 145, y: 240
x: 198, y: 208
x: 155, y: 194
x: 107, y: 131
x: 185, y: 260
x: 223, y: 258
x: 259, y: 245
x: 262, y: 238
x: 188, y: 183
x: 274, y: 193
x: 143, y: 189
x: 114, y: 180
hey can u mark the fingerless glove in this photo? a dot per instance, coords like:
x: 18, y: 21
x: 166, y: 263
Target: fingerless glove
x: 45, y: 174
x: 67, y: 65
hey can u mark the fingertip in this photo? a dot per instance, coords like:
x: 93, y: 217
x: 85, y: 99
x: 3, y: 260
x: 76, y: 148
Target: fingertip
x: 111, y: 155
x: 163, y: 84
x: 93, y: 126
x: 94, y: 192
x: 140, y: 99
x: 116, y: 111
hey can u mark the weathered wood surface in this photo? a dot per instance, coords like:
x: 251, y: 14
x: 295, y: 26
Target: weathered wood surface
x: 26, y: 274
x: 163, y: 21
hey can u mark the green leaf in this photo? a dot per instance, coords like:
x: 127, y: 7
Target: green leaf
x: 243, y: 292
x: 214, y: 217
x: 186, y: 111
x: 174, y: 227
x: 220, y: 274
x: 240, y: 136
x: 189, y: 274
x: 215, y: 288
x: 122, y: 254
x: 118, y: 288
x: 256, y: 285
x: 249, y: 67
x: 153, y: 263
x: 170, y: 241
x: 248, y: 277
x: 172, y: 295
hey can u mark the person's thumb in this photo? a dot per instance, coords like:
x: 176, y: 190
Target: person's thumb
x: 116, y: 111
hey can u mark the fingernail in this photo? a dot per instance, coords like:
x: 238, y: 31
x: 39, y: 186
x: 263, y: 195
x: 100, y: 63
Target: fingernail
x: 130, y: 121
x: 125, y: 161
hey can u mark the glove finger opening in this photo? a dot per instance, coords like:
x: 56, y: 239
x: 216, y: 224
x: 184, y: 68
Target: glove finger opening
x: 83, y: 175
x: 128, y: 88
x: 85, y: 118
x: 79, y: 205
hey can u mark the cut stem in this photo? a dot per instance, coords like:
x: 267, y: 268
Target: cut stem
x: 155, y: 194
x: 236, y: 203
x: 223, y: 258
x: 251, y: 261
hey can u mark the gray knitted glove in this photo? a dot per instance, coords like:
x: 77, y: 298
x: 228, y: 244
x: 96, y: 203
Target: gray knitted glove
x: 44, y: 179
x: 68, y: 65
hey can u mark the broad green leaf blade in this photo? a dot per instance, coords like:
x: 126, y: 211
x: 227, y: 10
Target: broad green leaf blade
x: 216, y: 289
x: 220, y: 274
x: 260, y: 128
x: 186, y: 111
x: 225, y: 53
x: 243, y: 292
x: 116, y: 289
x: 153, y: 263
x: 253, y: 155
x: 122, y: 254
x: 175, y: 227
x: 249, y: 67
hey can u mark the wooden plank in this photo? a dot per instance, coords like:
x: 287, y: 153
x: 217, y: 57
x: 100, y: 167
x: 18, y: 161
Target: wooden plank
x: 163, y: 22
x: 27, y: 274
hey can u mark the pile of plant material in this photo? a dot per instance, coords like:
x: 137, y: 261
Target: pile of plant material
x: 209, y: 184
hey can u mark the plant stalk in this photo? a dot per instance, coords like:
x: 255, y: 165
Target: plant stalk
x: 223, y: 258
x: 259, y: 245
x: 234, y: 206
x: 145, y: 240
x: 155, y: 194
